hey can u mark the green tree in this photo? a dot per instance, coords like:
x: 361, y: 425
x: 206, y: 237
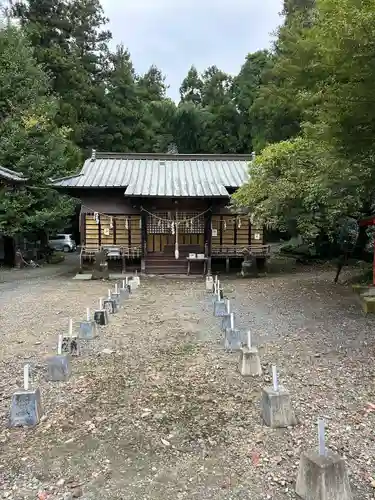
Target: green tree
x: 245, y: 90
x: 223, y: 127
x: 291, y: 188
x: 276, y: 113
x: 124, y: 109
x: 190, y: 128
x: 30, y: 141
x: 191, y: 87
x: 69, y: 42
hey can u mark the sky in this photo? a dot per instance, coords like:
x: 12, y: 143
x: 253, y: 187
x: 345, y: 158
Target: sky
x: 175, y: 35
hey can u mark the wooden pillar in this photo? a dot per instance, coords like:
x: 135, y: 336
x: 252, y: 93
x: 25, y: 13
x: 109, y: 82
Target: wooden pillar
x: 208, y: 239
x: 227, y: 264
x: 143, y: 241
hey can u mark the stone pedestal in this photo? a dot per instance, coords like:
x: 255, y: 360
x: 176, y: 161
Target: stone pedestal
x: 133, y: 285
x: 116, y: 296
x: 110, y: 305
x: 232, y: 339
x: 249, y: 268
x: 277, y: 408
x: 100, y: 271
x: 101, y: 317
x: 88, y: 330
x: 124, y: 293
x: 59, y: 368
x: 137, y: 279
x: 209, y: 283
x: 220, y: 308
x: 249, y: 362
x: 225, y: 321
x: 26, y: 408
x: 322, y: 477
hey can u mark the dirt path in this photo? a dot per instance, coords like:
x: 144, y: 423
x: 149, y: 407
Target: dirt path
x: 167, y: 415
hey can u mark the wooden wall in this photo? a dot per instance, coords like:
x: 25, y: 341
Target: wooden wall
x: 232, y: 232
x: 95, y: 235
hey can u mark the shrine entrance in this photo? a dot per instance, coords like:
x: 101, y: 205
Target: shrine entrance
x: 177, y: 229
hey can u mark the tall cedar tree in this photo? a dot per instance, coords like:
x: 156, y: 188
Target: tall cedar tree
x: 68, y: 40
x: 30, y: 141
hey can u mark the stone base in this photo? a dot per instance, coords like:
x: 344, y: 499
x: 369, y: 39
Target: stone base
x: 101, y: 317
x: 368, y: 303
x: 88, y: 330
x: 209, y: 283
x: 137, y: 279
x: 133, y: 285
x: 220, y: 308
x: 277, y: 408
x: 110, y: 305
x: 124, y: 293
x: 249, y: 363
x: 249, y: 268
x: 59, y: 368
x: 232, y: 340
x: 322, y: 477
x: 116, y: 296
x: 360, y: 289
x: 26, y: 408
x: 225, y: 321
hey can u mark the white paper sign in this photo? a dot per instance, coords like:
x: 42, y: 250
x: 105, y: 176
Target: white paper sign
x: 214, y: 232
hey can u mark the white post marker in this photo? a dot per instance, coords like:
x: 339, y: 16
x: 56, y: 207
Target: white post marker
x: 26, y: 369
x: 218, y: 290
x: 100, y: 304
x: 228, y: 306
x: 109, y: 293
x: 275, y: 382
x: 88, y: 314
x: 216, y: 278
x: 249, y: 339
x: 123, y: 283
x: 127, y: 280
x: 231, y: 321
x: 59, y: 345
x: 321, y: 437
x: 116, y: 288
x: 70, y: 331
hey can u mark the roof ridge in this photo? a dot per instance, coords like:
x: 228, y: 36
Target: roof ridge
x: 168, y: 156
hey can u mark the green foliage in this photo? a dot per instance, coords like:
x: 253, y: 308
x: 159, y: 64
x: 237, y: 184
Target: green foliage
x: 314, y: 110
x: 30, y: 141
x: 291, y: 188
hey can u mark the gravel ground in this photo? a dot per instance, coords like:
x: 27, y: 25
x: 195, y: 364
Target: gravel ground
x: 155, y: 409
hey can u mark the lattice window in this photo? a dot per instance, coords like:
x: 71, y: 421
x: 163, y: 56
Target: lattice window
x: 194, y: 223
x: 157, y: 226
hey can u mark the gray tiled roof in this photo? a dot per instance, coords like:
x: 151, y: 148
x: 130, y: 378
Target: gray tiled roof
x: 11, y: 175
x: 162, y: 174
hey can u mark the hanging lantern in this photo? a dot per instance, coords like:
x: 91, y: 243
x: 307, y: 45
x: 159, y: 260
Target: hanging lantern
x: 173, y: 228
x: 96, y: 217
x: 239, y: 223
x: 225, y: 225
x: 111, y: 223
x: 140, y: 223
x: 126, y: 223
x: 159, y: 223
